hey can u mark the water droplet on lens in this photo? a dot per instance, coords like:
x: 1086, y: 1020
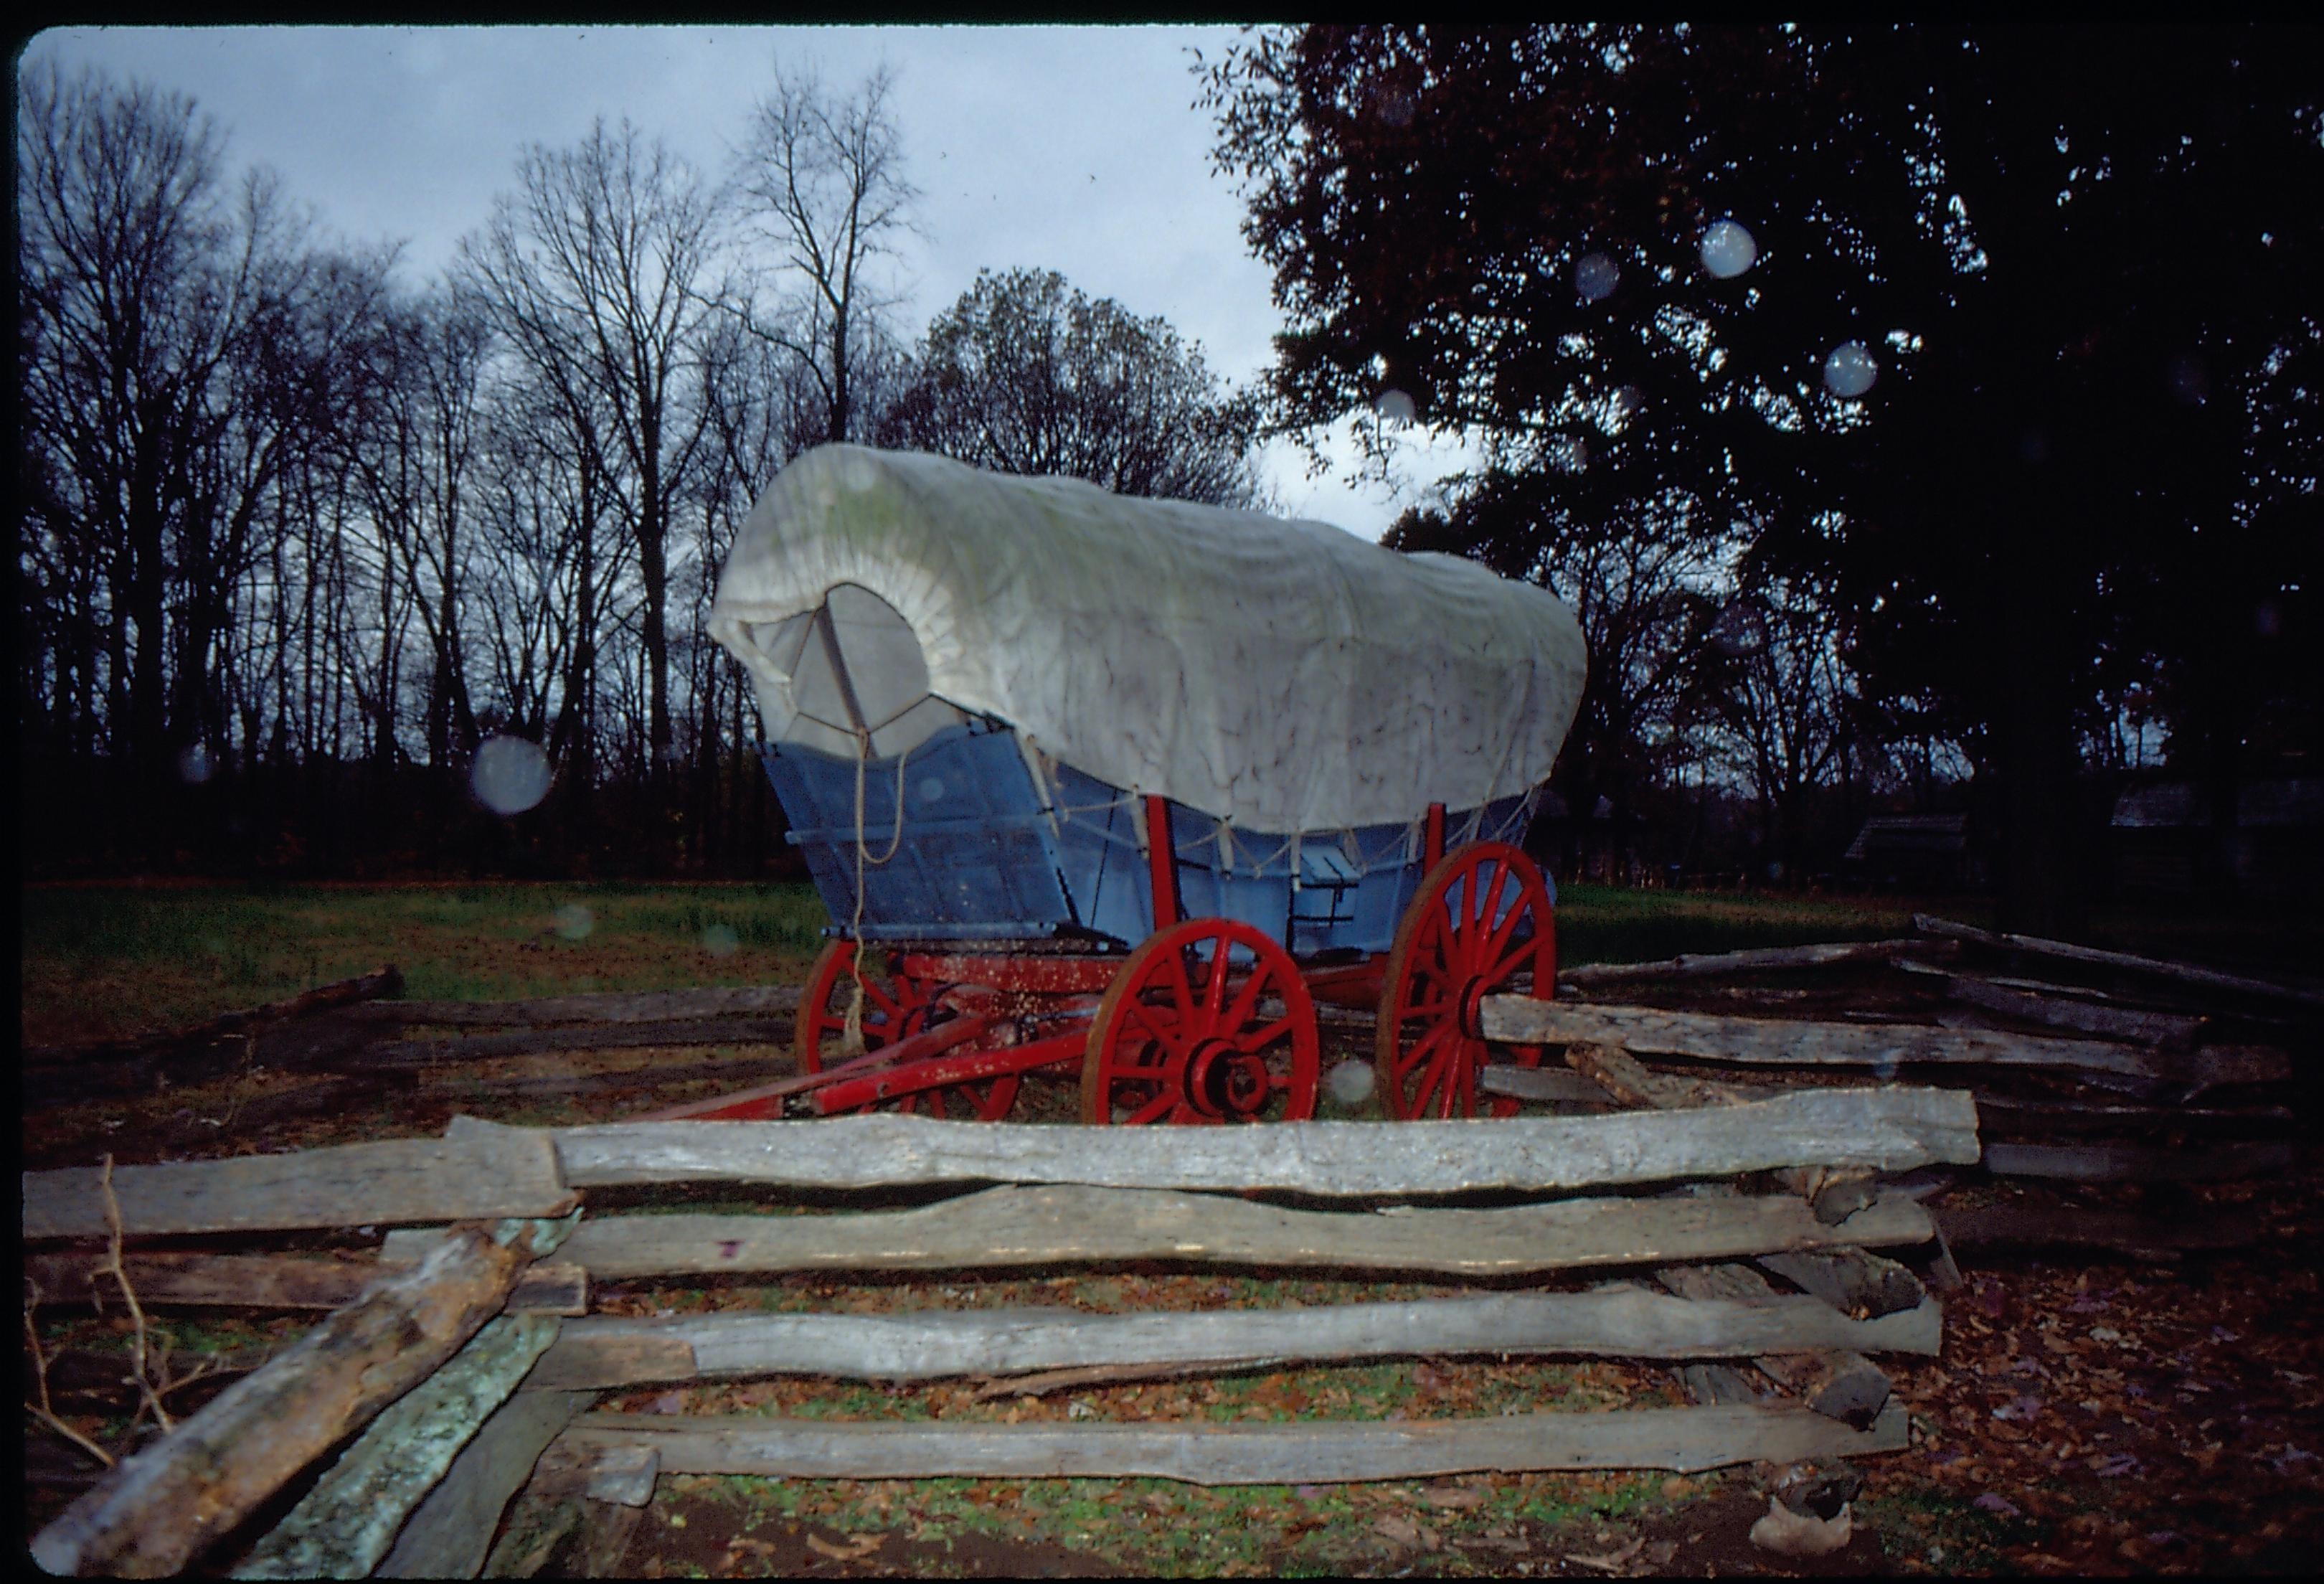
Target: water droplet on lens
x: 1396, y: 407
x: 509, y: 774
x: 1351, y: 1084
x: 1848, y: 372
x: 195, y: 766
x: 1727, y: 249
x: 721, y: 940
x: 1594, y: 275
x: 574, y: 922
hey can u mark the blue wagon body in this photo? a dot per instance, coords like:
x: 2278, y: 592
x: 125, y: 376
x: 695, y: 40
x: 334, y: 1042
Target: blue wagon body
x: 984, y: 851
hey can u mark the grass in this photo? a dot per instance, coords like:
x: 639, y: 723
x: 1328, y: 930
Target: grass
x: 1162, y: 1528
x: 105, y: 961
x: 1606, y: 924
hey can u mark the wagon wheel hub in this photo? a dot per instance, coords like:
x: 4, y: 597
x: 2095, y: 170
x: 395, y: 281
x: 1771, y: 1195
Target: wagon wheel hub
x: 1224, y: 1080
x: 1472, y: 1005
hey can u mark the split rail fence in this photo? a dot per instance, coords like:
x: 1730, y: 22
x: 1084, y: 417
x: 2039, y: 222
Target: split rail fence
x: 466, y: 1354
x: 1680, y: 1164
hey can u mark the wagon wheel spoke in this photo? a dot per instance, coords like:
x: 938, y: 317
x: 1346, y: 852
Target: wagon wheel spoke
x: 1267, y: 1036
x: 1509, y: 967
x: 1436, y: 1034
x: 1152, y: 1110
x: 1433, y: 1076
x: 1214, y: 989
x: 1246, y: 1000
x: 1490, y: 950
x: 1164, y: 1036
x: 875, y: 993
x: 1180, y: 987
x: 1457, y: 1086
x: 1430, y: 1009
x: 987, y: 1100
x: 1483, y: 895
x: 1445, y: 1071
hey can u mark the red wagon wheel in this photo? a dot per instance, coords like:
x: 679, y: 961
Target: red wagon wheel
x: 1481, y: 918
x: 1208, y: 1022
x: 896, y: 1007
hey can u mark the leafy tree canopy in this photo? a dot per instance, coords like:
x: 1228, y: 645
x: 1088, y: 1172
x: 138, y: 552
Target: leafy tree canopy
x: 1026, y: 375
x: 2077, y: 263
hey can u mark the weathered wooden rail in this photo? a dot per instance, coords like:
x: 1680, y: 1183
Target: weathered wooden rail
x: 356, y: 1031
x: 452, y: 1387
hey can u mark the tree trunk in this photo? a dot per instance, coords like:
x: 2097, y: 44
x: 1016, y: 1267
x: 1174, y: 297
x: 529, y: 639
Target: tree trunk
x: 2041, y: 892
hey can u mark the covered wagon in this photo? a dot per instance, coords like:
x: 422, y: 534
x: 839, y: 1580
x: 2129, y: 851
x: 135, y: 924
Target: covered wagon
x: 1118, y: 787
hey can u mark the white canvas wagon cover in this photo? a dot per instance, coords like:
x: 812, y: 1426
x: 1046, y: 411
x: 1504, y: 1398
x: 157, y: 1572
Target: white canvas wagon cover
x: 1281, y: 674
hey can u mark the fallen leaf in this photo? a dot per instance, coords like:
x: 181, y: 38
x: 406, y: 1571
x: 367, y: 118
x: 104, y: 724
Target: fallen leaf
x: 1450, y: 1495
x: 1609, y: 1562
x: 1999, y: 1506
x: 1399, y: 1530
x: 1791, y: 1534
x: 853, y: 1551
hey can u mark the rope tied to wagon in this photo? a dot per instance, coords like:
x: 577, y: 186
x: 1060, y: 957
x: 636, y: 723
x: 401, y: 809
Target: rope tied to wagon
x: 851, y: 1037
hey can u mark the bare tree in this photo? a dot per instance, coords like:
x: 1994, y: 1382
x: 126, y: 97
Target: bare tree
x: 598, y: 269
x: 415, y: 466
x: 1775, y: 692
x: 828, y: 179
x: 1642, y: 583
x: 122, y: 239
x: 180, y: 344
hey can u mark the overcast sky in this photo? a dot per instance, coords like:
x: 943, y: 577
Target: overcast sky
x: 1074, y: 149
